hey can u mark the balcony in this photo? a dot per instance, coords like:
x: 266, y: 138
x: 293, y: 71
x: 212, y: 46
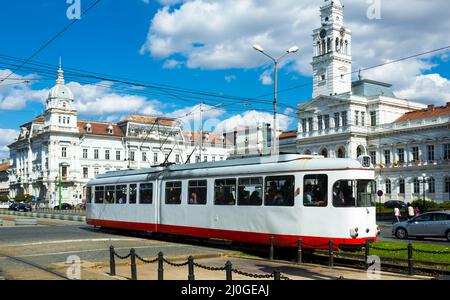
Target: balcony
x: 332, y: 131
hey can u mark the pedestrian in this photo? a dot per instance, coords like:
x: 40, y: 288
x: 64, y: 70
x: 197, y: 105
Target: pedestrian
x: 397, y: 215
x: 411, y: 212
x: 417, y: 212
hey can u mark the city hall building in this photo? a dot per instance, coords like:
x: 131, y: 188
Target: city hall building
x: 409, y: 142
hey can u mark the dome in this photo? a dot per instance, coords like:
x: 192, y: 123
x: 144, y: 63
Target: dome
x: 60, y: 90
x: 337, y: 2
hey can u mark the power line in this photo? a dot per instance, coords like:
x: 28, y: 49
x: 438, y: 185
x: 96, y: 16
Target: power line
x: 40, y: 49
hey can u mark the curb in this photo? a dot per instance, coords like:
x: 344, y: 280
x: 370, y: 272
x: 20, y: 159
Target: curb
x: 75, y: 218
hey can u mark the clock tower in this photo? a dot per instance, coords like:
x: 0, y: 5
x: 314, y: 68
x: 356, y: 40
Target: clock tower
x: 332, y: 60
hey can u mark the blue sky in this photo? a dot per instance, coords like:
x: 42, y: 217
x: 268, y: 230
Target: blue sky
x: 207, y: 45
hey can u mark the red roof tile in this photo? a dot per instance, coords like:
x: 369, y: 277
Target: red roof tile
x: 149, y: 120
x: 288, y: 134
x: 99, y: 128
x: 430, y: 112
x: 4, y: 167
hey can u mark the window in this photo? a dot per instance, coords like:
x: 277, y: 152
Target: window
x: 132, y: 157
x: 96, y: 172
x: 117, y: 155
x: 121, y: 194
x: 155, y: 158
x: 423, y: 218
x: 166, y: 157
x: 430, y: 152
x: 431, y: 185
x: 144, y: 156
x: 327, y: 121
x: 145, y: 193
x: 320, y: 122
x: 441, y: 217
x: 341, y: 152
x: 388, y: 187
x: 205, y: 158
x: 447, y: 184
x: 63, y: 152
x: 363, y: 118
x: 357, y: 118
x: 280, y: 191
x: 133, y: 194
x: 304, y: 125
x: 310, y: 124
x: 250, y: 191
x: 197, y: 159
x: 88, y: 194
x: 373, y: 157
x: 354, y: 193
x: 110, y: 194
x: 344, y: 118
x: 373, y: 118
x: 401, y: 184
x: 59, y: 120
x: 315, y: 190
x: 336, y: 120
x: 401, y: 155
x: 96, y: 154
x: 387, y: 157
x: 173, y: 192
x: 85, y: 153
x: 225, y: 192
x: 416, y: 184
x: 85, y: 173
x: 446, y: 151
x: 99, y: 194
x: 197, y: 192
x: 177, y: 158
x: 107, y: 155
x: 415, y: 153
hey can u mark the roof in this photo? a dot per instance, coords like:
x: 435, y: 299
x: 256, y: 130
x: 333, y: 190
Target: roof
x: 149, y: 120
x: 430, y: 112
x: 5, y: 166
x: 100, y: 128
x: 288, y: 134
x: 369, y: 88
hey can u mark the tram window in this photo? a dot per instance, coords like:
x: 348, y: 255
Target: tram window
x: 145, y: 193
x: 315, y: 190
x: 280, y: 191
x: 110, y: 194
x: 225, y: 192
x: 197, y: 192
x: 354, y: 193
x: 173, y: 192
x: 133, y: 193
x: 250, y: 191
x: 99, y: 194
x: 121, y: 194
x: 88, y: 194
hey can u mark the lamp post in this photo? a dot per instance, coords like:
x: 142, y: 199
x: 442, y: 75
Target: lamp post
x: 424, y: 178
x: 276, y: 61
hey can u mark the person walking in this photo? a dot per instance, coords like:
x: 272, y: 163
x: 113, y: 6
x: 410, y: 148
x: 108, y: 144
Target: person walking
x: 397, y: 215
x: 411, y: 212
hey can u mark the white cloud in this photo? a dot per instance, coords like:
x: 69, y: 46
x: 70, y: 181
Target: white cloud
x: 7, y: 136
x: 212, y: 34
x: 230, y: 78
x: 172, y: 64
x: 14, y: 94
x: 250, y: 118
x: 431, y: 89
x: 266, y: 77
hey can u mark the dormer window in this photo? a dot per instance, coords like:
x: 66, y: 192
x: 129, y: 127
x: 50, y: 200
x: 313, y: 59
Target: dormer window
x: 88, y: 128
x: 110, y: 129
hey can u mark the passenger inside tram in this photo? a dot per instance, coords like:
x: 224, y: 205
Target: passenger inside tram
x: 280, y: 193
x: 338, y: 195
x: 315, y: 190
x: 194, y: 199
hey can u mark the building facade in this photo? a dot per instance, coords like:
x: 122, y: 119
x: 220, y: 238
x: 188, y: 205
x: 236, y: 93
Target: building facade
x: 58, y: 149
x: 407, y: 140
x: 4, y: 178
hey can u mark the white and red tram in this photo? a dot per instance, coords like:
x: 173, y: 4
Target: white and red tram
x: 249, y: 200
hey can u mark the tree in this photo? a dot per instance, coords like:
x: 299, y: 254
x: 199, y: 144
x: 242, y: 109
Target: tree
x: 23, y: 198
x: 4, y: 198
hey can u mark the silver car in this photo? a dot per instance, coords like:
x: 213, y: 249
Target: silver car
x: 432, y: 224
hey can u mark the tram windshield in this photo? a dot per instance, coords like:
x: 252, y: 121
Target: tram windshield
x: 354, y: 193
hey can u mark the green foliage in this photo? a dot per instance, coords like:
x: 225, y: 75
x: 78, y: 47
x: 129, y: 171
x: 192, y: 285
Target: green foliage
x: 23, y: 198
x: 424, y: 205
x: 4, y: 198
x: 445, y: 205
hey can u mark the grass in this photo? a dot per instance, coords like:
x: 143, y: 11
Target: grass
x: 403, y: 255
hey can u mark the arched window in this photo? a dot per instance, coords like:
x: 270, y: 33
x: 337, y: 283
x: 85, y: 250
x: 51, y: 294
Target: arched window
x: 318, y: 48
x: 388, y: 184
x: 307, y: 152
x: 329, y: 45
x: 416, y: 184
x: 324, y: 152
x: 337, y: 45
x: 431, y: 185
x: 360, y: 151
x: 324, y: 47
x: 346, y: 47
x: 341, y: 152
x: 401, y: 184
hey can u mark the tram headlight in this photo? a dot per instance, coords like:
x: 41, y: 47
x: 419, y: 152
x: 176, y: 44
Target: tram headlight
x: 354, y: 233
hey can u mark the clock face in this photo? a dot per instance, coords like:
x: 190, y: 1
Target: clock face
x: 342, y: 31
x: 323, y: 33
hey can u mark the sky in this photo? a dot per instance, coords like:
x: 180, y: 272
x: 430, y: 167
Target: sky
x: 206, y: 46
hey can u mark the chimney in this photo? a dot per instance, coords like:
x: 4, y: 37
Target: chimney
x: 431, y: 107
x: 448, y: 104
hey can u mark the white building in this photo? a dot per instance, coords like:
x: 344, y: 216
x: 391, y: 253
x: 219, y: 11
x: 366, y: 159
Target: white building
x: 4, y: 178
x: 346, y: 119
x: 59, y: 146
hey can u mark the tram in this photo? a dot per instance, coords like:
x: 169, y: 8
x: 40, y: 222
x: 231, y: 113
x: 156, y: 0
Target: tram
x: 250, y: 200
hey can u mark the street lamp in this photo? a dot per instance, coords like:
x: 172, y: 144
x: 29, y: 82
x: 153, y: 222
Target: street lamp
x: 293, y: 49
x: 424, y: 178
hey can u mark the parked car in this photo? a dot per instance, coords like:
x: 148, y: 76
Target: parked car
x: 395, y: 203
x: 432, y: 224
x: 13, y: 206
x: 64, y: 206
x: 20, y: 207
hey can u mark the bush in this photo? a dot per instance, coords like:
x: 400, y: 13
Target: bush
x: 424, y: 205
x: 23, y: 198
x: 445, y: 205
x: 4, y: 198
